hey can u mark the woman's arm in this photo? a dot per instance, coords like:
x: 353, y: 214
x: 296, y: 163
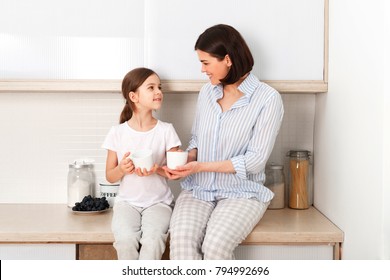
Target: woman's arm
x: 224, y: 166
x: 192, y: 155
x: 193, y: 167
x: 191, y: 164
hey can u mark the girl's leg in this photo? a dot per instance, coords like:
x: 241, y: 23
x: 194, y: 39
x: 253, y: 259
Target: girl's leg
x: 126, y: 226
x: 187, y: 228
x: 230, y: 223
x: 155, y: 223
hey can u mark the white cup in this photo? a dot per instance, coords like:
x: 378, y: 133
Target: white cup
x: 175, y: 159
x: 109, y: 191
x: 142, y: 159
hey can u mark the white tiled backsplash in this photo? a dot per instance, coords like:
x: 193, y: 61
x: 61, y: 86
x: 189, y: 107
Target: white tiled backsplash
x: 41, y: 133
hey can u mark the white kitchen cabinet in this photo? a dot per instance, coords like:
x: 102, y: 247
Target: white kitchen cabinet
x: 70, y: 39
x: 286, y: 37
x: 283, y: 252
x: 37, y: 252
x: 97, y: 46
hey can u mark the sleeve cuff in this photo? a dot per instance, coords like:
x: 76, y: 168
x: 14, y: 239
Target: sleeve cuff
x: 239, y: 166
x: 192, y: 145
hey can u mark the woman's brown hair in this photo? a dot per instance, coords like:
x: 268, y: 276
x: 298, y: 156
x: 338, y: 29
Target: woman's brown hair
x: 131, y: 82
x: 221, y: 40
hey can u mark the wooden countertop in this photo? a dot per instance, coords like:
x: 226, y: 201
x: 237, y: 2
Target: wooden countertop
x: 56, y: 223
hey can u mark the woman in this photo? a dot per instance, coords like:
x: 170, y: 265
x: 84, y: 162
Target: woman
x: 235, y: 127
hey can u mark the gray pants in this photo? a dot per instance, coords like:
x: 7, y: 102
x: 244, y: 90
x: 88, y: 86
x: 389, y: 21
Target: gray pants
x: 134, y: 226
x: 211, y: 229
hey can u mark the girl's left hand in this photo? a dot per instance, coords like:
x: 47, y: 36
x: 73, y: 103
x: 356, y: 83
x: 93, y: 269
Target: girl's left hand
x: 145, y: 172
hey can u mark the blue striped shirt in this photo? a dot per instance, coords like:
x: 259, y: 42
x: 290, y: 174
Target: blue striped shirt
x: 244, y: 134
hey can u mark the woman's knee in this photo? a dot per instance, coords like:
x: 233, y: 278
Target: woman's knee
x: 213, y: 250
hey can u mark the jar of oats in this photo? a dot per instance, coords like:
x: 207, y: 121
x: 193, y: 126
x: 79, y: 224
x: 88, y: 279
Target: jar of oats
x: 275, y: 181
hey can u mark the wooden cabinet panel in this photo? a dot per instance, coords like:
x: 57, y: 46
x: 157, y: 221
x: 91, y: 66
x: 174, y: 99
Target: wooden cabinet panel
x: 96, y: 252
x: 104, y: 252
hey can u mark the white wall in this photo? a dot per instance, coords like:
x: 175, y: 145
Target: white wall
x: 350, y: 128
x: 386, y: 138
x: 41, y: 133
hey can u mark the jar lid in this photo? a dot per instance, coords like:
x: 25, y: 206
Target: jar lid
x: 274, y: 166
x: 81, y: 164
x: 299, y: 153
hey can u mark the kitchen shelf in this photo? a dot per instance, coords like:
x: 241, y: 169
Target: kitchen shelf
x: 169, y: 86
x: 55, y: 223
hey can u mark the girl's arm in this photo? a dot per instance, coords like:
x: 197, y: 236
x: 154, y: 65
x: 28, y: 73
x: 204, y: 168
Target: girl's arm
x: 114, y: 170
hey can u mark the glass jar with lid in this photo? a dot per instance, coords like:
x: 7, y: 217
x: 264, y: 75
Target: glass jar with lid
x: 80, y: 182
x: 275, y: 181
x: 300, y: 190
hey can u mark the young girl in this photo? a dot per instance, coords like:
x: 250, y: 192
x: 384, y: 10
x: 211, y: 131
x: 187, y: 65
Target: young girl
x: 142, y: 209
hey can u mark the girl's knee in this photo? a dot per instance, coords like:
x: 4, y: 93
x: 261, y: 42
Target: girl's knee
x: 126, y: 239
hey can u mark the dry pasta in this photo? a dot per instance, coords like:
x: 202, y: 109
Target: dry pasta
x: 298, y: 189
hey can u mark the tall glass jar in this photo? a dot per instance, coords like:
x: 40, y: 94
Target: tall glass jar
x: 80, y: 182
x: 299, y: 179
x: 275, y: 181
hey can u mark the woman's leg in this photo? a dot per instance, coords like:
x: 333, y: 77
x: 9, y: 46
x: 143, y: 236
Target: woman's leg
x: 230, y: 223
x: 187, y: 228
x: 155, y: 223
x: 126, y: 226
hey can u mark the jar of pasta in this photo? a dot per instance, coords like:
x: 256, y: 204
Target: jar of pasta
x: 299, y: 195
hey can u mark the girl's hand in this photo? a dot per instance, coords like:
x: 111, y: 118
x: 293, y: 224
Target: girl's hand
x: 145, y: 172
x: 181, y: 171
x: 126, y: 165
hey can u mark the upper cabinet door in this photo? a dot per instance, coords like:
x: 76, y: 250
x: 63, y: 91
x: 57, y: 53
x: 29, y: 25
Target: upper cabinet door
x: 72, y: 39
x: 44, y: 41
x: 286, y: 37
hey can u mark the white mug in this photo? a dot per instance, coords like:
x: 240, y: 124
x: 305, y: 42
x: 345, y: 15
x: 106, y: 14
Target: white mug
x: 109, y: 191
x: 175, y: 159
x: 142, y: 159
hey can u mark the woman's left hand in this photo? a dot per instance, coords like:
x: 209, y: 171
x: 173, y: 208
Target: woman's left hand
x: 181, y: 171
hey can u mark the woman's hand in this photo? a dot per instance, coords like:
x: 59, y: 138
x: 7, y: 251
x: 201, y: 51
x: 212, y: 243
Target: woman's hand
x: 182, y: 171
x: 143, y: 172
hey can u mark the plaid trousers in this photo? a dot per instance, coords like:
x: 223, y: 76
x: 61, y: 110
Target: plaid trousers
x: 211, y: 230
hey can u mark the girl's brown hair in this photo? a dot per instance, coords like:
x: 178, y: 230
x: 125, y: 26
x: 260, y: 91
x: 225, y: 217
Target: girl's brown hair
x: 221, y: 40
x: 131, y: 82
